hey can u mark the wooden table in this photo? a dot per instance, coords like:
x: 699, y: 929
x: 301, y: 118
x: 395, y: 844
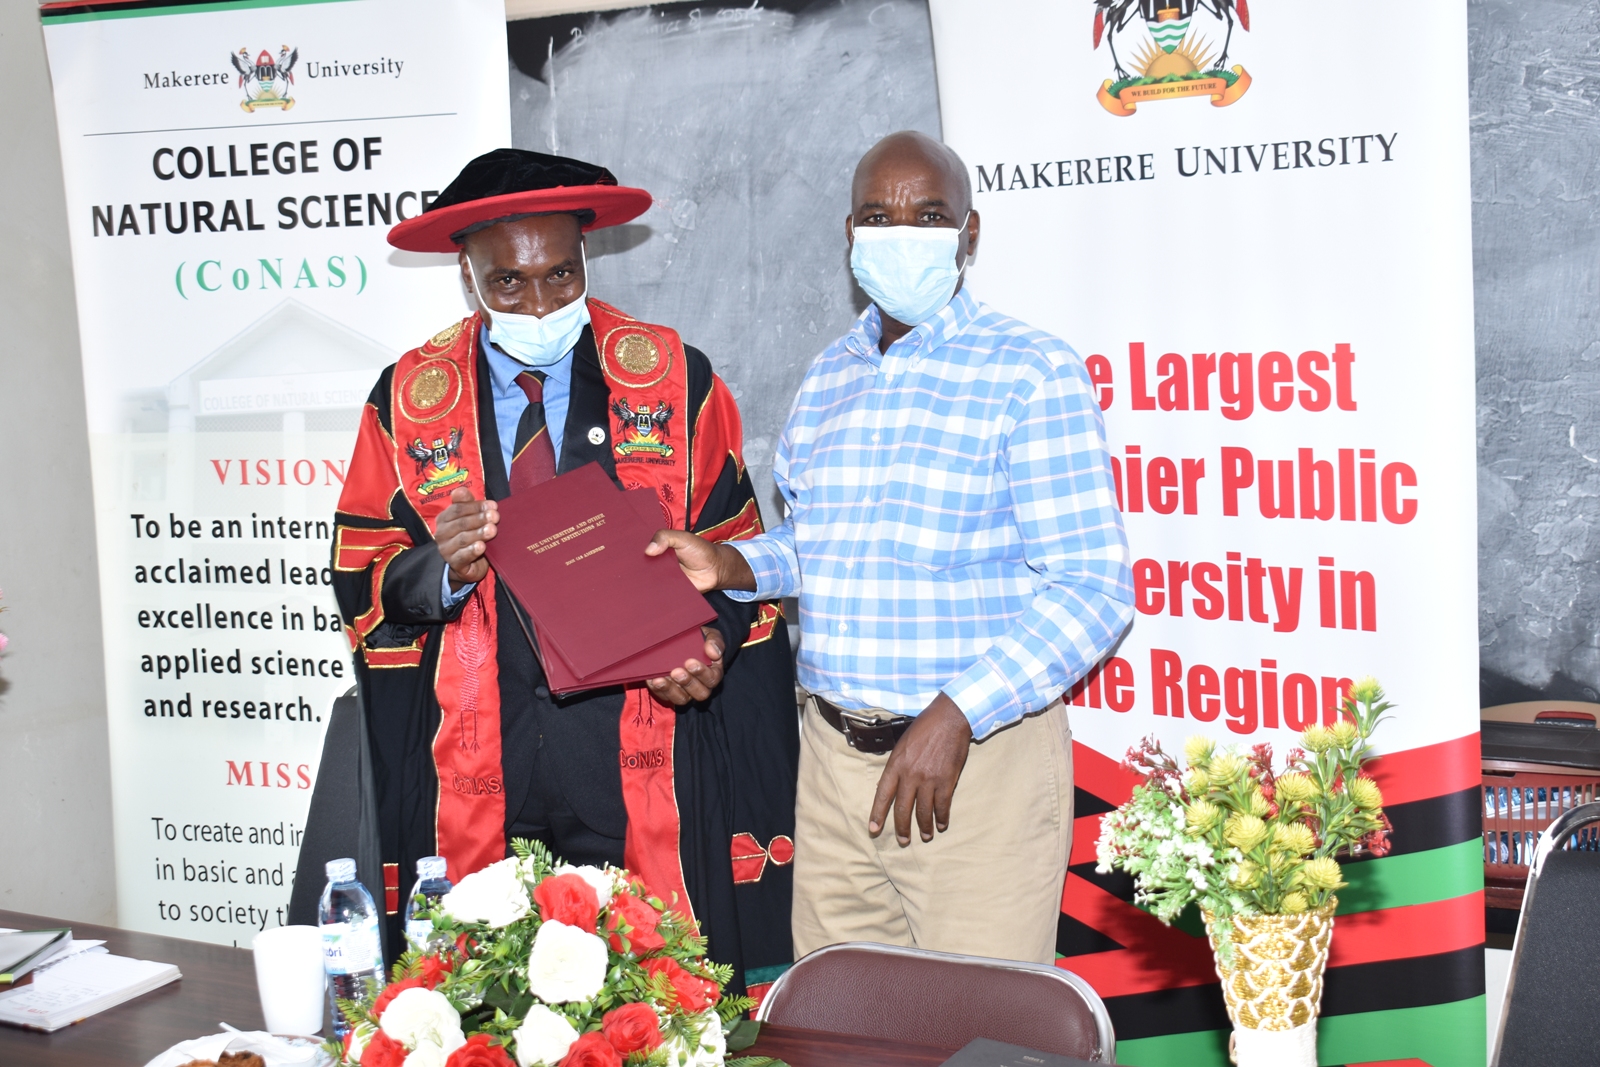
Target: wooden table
x: 218, y: 985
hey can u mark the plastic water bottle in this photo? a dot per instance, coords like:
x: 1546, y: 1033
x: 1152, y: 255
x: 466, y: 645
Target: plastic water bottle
x: 352, y: 953
x: 421, y: 905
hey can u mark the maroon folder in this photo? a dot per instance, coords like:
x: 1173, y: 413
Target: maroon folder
x: 654, y: 662
x: 602, y: 612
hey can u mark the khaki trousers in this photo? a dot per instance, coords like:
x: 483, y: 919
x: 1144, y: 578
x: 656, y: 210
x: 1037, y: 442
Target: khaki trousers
x: 990, y: 885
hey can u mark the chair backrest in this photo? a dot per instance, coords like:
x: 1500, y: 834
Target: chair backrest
x: 1567, y: 711
x: 1549, y: 1015
x: 939, y: 998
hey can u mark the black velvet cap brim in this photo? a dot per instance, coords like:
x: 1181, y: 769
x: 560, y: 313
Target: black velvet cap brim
x: 514, y: 182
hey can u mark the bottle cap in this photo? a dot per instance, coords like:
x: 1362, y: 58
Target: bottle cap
x: 341, y: 870
x: 431, y: 867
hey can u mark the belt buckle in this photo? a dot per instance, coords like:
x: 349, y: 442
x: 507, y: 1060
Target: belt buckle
x: 867, y: 734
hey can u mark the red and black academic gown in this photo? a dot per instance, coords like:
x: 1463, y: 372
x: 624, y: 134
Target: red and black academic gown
x: 703, y: 795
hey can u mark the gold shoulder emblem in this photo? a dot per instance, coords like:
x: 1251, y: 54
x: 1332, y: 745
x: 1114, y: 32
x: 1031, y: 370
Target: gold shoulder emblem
x: 430, y: 391
x: 637, y: 354
x: 444, y: 338
x: 428, y: 387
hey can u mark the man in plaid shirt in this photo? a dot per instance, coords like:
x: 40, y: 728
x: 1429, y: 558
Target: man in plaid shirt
x: 954, y: 540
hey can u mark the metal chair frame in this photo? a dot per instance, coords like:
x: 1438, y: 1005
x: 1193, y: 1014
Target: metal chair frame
x: 1106, y: 1038
x: 1553, y: 839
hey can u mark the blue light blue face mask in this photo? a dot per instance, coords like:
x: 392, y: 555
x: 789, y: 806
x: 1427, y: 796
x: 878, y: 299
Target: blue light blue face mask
x: 535, y: 341
x: 909, y: 271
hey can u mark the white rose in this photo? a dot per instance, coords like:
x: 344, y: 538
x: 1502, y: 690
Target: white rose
x: 426, y: 1054
x: 543, y: 1037
x: 708, y: 1050
x: 604, y: 883
x: 423, y: 1017
x: 566, y: 964
x: 494, y: 896
x: 359, y: 1037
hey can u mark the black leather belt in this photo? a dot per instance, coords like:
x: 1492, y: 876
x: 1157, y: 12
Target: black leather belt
x: 864, y: 732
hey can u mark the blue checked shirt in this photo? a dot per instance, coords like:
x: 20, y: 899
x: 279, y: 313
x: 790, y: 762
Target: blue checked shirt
x: 952, y: 520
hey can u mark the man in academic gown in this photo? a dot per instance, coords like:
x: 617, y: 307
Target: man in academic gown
x: 687, y: 780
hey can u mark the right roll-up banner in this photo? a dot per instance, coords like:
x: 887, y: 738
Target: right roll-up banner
x: 1253, y: 223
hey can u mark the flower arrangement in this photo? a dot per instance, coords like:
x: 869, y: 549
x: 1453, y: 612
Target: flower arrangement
x: 1255, y: 848
x: 1238, y: 838
x: 545, y: 964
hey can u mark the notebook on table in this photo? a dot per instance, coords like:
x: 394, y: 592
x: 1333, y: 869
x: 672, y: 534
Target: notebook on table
x: 23, y: 950
x: 79, y: 987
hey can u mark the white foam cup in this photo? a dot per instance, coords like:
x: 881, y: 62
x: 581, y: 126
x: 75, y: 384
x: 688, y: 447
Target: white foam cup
x: 290, y: 979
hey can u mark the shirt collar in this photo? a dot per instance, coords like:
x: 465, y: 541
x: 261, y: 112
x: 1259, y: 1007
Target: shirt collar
x: 949, y: 323
x: 503, y: 370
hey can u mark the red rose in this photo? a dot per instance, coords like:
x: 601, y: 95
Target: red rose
x: 591, y: 1050
x: 641, y: 919
x: 631, y: 1028
x: 391, y: 991
x: 694, y: 994
x: 567, y: 898
x: 435, y: 969
x: 383, y: 1051
x: 479, y: 1051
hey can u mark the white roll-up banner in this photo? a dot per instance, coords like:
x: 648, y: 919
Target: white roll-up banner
x: 231, y: 171
x: 1253, y: 223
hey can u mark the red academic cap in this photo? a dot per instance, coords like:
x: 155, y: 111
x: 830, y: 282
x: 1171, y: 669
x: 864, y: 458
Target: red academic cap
x: 512, y: 183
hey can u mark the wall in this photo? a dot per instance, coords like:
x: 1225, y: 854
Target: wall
x: 55, y: 838
x: 1535, y: 83
x: 745, y: 123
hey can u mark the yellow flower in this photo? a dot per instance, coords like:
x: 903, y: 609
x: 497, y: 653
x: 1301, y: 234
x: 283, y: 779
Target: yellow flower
x: 1365, y: 792
x: 1321, y: 872
x: 1317, y: 738
x: 1295, y: 786
x: 1367, y: 690
x: 1196, y: 781
x: 1198, y: 749
x: 1244, y: 832
x: 1245, y: 875
x: 1258, y: 803
x: 1345, y: 733
x: 1203, y: 815
x: 1295, y: 837
x: 1226, y: 768
x: 1295, y: 902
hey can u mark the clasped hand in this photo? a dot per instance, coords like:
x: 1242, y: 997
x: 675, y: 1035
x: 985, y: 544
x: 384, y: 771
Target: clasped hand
x: 462, y: 535
x: 922, y: 772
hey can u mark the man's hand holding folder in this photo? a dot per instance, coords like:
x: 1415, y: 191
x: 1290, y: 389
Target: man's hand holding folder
x: 599, y: 611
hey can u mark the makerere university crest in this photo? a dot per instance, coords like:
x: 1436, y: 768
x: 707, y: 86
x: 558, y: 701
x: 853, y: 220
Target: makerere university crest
x: 266, y: 82
x: 1174, y: 61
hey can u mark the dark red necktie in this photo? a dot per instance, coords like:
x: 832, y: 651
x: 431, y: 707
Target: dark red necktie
x: 534, y: 458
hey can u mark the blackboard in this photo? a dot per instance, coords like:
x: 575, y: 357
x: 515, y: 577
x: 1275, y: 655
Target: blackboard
x: 1535, y: 104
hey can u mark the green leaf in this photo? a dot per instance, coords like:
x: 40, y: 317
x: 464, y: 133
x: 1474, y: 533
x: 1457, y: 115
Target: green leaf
x: 729, y: 1008
x: 755, y: 1061
x: 741, y: 1033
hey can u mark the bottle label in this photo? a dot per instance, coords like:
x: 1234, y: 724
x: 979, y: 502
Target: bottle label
x: 418, y: 931
x: 350, y: 948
